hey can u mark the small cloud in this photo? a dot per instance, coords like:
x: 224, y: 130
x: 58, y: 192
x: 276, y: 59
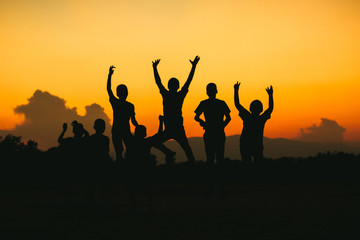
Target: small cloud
x: 44, y: 115
x: 327, y: 131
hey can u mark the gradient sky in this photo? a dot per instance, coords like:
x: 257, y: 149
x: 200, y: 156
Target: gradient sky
x: 309, y: 50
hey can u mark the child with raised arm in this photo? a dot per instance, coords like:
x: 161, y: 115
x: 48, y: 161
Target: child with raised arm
x: 251, y: 140
x: 74, y: 152
x: 172, y: 107
x: 123, y: 112
x: 80, y: 134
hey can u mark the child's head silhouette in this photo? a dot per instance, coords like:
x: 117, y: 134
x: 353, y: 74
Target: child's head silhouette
x: 99, y: 125
x: 140, y: 131
x: 173, y: 85
x: 122, y: 92
x: 78, y: 129
x: 256, y: 107
x: 211, y: 90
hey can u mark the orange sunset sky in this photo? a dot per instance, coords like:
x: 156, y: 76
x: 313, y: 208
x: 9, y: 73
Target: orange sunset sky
x: 309, y: 50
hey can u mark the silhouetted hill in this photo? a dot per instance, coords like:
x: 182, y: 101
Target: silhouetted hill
x: 273, y: 148
x: 281, y: 147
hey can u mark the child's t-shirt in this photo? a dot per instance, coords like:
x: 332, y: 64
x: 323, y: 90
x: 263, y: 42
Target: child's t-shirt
x: 172, y: 105
x: 214, y: 111
x: 122, y: 111
x: 253, y: 129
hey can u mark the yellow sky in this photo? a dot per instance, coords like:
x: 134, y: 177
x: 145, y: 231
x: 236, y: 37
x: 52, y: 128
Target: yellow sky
x: 307, y: 49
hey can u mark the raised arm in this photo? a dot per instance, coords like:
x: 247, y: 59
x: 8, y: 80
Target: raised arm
x: 111, y: 71
x: 192, y: 72
x: 157, y: 76
x: 238, y: 106
x: 236, y: 96
x: 271, y: 100
x: 61, y: 137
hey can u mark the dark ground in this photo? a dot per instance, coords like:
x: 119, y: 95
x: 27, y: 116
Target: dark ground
x: 316, y: 197
x: 185, y: 211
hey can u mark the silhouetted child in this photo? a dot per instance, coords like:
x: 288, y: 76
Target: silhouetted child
x: 214, y: 112
x: 123, y: 112
x: 140, y: 145
x: 100, y: 161
x: 141, y: 163
x: 78, y: 140
x: 172, y: 106
x: 74, y: 154
x: 251, y: 140
x: 99, y: 143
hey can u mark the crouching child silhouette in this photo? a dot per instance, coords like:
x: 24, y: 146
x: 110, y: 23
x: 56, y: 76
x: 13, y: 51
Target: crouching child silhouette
x: 141, y: 163
x: 251, y: 140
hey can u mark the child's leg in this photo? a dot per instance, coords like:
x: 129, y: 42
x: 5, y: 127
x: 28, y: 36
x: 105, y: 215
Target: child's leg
x: 221, y: 170
x: 210, y: 148
x: 158, y: 143
x: 259, y: 165
x: 220, y: 147
x: 117, y: 141
x: 245, y: 156
x: 126, y: 136
x: 184, y: 143
x: 258, y: 157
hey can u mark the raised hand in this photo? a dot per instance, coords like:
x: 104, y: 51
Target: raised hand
x: 155, y: 63
x: 64, y: 126
x: 195, y: 61
x: 161, y: 118
x: 111, y: 69
x: 236, y: 86
x: 269, y: 90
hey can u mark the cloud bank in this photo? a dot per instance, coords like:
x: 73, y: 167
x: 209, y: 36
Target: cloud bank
x: 45, y: 114
x: 327, y: 131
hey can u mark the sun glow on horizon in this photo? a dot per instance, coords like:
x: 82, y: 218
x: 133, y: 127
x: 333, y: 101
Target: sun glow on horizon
x: 308, y: 50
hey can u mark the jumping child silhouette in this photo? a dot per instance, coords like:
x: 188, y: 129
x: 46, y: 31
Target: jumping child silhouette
x: 123, y: 111
x: 172, y: 106
x: 251, y: 140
